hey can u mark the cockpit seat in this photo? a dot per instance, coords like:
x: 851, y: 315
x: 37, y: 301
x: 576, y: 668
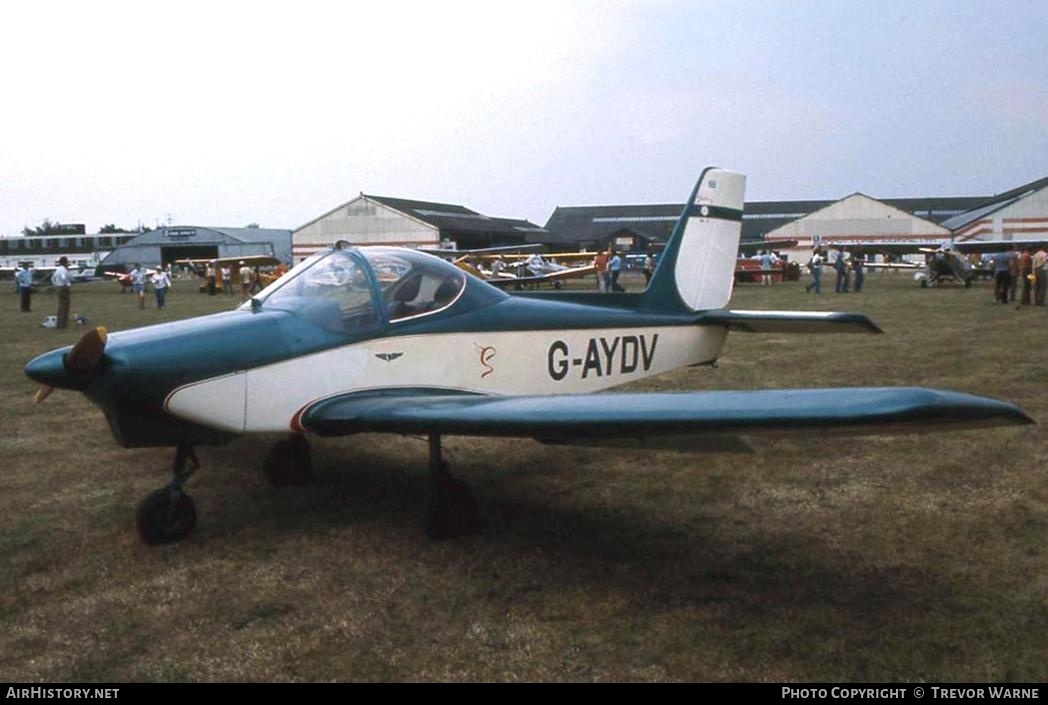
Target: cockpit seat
x: 401, y: 296
x: 445, y: 293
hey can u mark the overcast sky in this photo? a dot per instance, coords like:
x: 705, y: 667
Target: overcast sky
x: 227, y: 113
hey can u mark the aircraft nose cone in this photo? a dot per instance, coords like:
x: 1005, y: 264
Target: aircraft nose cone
x: 49, y: 369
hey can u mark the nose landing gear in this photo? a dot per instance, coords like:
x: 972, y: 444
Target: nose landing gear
x: 168, y: 515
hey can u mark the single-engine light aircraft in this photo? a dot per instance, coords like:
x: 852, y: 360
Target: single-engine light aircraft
x: 945, y: 262
x: 381, y: 339
x: 506, y: 267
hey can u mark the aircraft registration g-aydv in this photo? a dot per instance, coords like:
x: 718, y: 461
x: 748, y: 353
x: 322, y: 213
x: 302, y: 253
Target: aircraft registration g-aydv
x: 381, y: 339
x: 944, y: 262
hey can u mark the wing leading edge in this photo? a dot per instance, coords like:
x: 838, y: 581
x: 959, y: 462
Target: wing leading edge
x: 720, y: 416
x: 789, y: 321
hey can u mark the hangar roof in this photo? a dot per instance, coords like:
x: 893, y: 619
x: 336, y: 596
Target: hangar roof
x: 450, y: 217
x: 996, y: 203
x: 573, y: 224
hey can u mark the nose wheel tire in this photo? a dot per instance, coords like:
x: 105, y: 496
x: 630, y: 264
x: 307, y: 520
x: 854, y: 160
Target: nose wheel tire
x: 452, y: 510
x: 288, y: 463
x: 165, y: 517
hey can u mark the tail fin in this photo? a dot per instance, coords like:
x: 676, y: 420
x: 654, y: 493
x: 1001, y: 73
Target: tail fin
x: 696, y: 271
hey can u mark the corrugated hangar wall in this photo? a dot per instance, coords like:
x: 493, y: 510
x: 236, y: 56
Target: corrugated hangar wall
x: 1026, y: 219
x: 363, y: 221
x: 857, y: 217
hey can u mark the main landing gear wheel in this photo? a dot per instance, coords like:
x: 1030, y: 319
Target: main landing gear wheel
x: 164, y: 517
x: 453, y: 508
x: 168, y: 515
x: 288, y: 463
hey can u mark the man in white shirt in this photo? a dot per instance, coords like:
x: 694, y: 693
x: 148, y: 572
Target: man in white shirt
x: 161, y: 281
x: 138, y: 285
x: 24, y: 277
x: 61, y: 281
x: 815, y: 265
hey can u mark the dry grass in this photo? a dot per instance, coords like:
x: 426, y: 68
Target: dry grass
x: 876, y: 559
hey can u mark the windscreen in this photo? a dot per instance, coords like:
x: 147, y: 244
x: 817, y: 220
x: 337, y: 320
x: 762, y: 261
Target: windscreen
x: 330, y: 289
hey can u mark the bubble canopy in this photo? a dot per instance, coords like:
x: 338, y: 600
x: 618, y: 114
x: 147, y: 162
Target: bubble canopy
x: 354, y: 289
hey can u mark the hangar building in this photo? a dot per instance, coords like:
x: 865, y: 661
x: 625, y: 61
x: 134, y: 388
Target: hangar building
x: 381, y: 220
x: 173, y: 242
x: 633, y: 227
x: 858, y: 218
x: 1019, y: 214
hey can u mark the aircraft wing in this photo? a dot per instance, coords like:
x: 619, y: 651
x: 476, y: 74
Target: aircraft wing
x: 681, y: 420
x: 505, y: 250
x: 892, y: 265
x: 890, y: 247
x: 987, y: 246
x: 571, y: 273
x: 752, y: 247
x: 252, y: 260
x: 789, y: 321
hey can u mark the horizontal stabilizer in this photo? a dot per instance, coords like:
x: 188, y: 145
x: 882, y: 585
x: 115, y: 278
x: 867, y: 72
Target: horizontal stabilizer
x: 583, y: 417
x: 789, y: 321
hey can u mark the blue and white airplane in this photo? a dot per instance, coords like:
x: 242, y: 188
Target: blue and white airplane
x: 380, y: 339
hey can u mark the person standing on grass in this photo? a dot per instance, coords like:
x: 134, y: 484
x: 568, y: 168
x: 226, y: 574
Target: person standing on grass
x: 61, y: 281
x: 161, y: 282
x: 614, y: 270
x: 815, y: 266
x: 841, y: 267
x: 1002, y: 267
x: 1025, y: 271
x: 24, y: 278
x: 211, y: 273
x: 649, y: 268
x: 1013, y: 273
x: 856, y: 264
x: 600, y: 262
x: 767, y: 260
x: 138, y: 285
x: 247, y: 281
x: 1040, y: 273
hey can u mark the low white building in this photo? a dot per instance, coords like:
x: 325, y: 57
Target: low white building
x: 382, y: 220
x: 857, y: 218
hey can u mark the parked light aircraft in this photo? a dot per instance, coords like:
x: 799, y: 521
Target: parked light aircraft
x: 381, y: 339
x: 42, y: 275
x: 944, y: 261
x: 124, y: 278
x: 506, y: 267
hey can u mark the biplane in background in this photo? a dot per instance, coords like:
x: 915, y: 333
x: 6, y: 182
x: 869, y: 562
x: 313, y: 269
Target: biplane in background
x: 199, y: 267
x: 390, y: 340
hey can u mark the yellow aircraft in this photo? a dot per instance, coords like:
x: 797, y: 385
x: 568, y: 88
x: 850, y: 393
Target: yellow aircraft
x: 200, y: 267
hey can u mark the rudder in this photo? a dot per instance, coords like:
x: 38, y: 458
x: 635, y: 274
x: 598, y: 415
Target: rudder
x: 696, y: 271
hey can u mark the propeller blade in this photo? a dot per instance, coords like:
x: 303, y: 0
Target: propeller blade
x: 42, y: 393
x: 87, y: 351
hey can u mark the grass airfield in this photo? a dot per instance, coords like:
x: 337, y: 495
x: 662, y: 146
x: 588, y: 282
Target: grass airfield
x: 868, y: 559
